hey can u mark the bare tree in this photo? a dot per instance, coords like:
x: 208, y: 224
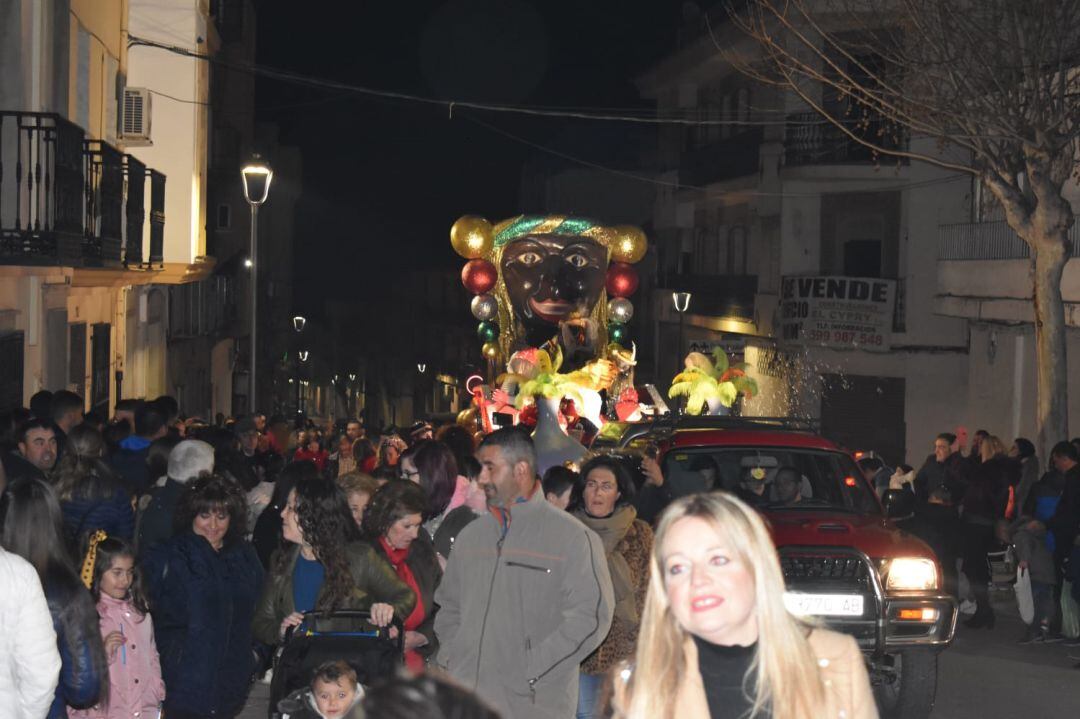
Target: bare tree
x: 993, y: 84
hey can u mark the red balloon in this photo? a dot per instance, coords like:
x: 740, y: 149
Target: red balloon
x: 622, y: 280
x: 478, y: 276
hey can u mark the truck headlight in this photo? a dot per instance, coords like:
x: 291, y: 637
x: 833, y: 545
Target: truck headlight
x: 908, y: 573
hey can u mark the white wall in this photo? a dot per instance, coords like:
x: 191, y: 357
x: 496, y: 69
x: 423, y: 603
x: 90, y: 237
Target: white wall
x: 178, y: 125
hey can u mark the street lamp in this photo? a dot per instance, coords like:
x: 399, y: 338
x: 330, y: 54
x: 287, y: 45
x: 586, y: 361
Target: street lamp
x: 422, y: 367
x: 681, y: 300
x: 256, y: 175
x: 298, y: 323
x: 303, y: 355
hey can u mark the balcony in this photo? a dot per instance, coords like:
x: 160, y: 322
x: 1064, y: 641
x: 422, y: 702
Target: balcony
x: 809, y: 139
x: 727, y: 159
x: 729, y: 296
x: 66, y: 200
x: 984, y: 272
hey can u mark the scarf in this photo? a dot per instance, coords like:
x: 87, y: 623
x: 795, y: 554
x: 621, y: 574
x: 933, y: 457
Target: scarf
x: 397, y: 558
x: 612, y: 529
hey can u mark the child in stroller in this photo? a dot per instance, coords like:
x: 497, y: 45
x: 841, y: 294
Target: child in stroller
x: 340, y: 651
x: 334, y: 693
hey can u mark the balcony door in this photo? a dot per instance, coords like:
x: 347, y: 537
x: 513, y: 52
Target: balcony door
x: 860, y: 234
x: 99, y: 368
x: 11, y: 370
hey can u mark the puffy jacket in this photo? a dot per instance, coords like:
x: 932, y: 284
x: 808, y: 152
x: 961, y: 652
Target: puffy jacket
x: 83, y: 516
x: 203, y: 602
x: 135, y: 686
x: 374, y: 581
x: 80, y: 681
x: 29, y: 659
x: 524, y: 599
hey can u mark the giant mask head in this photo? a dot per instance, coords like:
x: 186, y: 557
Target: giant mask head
x: 551, y: 277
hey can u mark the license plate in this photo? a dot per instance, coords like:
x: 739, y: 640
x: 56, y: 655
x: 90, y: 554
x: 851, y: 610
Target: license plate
x: 824, y: 605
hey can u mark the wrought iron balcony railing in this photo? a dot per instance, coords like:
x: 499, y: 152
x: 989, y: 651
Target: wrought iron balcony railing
x: 989, y: 241
x: 66, y: 200
x: 809, y: 139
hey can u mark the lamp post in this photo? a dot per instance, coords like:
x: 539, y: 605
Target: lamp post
x: 303, y: 356
x: 256, y: 175
x: 681, y: 300
x: 298, y: 323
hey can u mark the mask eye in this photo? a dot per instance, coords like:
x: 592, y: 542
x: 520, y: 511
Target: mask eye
x: 529, y: 258
x: 578, y: 260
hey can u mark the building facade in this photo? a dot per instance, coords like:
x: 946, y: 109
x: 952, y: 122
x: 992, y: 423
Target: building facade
x: 778, y: 223
x: 82, y: 219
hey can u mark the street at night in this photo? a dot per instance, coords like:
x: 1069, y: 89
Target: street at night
x: 522, y: 359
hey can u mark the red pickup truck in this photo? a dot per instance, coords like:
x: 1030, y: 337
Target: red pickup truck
x: 845, y: 563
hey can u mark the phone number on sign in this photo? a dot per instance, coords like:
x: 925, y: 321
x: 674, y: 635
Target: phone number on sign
x: 844, y: 337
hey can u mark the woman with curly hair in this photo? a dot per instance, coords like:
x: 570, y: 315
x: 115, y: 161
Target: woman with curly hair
x: 202, y: 585
x: 393, y: 527
x: 91, y: 495
x: 327, y: 567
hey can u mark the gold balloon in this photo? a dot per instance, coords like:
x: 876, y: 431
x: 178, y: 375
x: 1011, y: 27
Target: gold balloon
x: 491, y: 350
x: 472, y: 237
x: 467, y: 418
x: 629, y: 244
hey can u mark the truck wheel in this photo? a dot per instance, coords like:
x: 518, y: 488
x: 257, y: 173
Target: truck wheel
x: 908, y: 684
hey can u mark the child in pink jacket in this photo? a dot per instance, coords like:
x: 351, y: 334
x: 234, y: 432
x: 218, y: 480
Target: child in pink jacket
x: 135, y: 686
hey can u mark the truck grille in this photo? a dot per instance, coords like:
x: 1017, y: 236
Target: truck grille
x: 800, y: 569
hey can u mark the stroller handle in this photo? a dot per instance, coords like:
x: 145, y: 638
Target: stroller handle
x: 354, y: 614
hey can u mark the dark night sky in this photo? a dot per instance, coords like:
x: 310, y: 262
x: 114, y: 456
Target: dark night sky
x: 384, y: 180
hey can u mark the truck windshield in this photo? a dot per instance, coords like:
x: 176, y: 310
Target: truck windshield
x: 773, y: 477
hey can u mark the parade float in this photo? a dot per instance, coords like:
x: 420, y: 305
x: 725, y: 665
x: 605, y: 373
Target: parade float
x: 551, y: 295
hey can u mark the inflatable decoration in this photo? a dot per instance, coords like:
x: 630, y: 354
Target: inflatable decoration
x: 711, y: 383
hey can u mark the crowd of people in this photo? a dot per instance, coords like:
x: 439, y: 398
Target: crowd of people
x: 970, y: 503
x: 153, y: 564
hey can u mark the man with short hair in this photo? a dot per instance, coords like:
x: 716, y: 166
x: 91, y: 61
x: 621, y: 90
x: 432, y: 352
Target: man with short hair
x: 943, y: 468
x: 188, y: 460
x: 876, y: 473
x: 125, y: 411
x: 526, y: 595
x: 130, y: 460
x: 35, y: 451
x: 354, y: 430
x: 41, y: 404
x: 66, y: 413
x: 1065, y: 523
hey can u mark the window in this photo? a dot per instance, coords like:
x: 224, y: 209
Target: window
x: 736, y: 250
x: 224, y: 217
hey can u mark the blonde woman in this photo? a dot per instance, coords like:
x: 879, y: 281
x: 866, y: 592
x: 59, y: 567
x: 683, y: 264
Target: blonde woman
x: 716, y: 640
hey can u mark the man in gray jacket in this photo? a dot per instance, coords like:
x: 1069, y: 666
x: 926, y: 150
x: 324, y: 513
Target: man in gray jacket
x: 526, y: 595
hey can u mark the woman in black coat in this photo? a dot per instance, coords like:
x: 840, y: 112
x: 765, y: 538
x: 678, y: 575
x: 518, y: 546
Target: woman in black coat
x: 203, y: 584
x: 984, y: 504
x: 394, y: 527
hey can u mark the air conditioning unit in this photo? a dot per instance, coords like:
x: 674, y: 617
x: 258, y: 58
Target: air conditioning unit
x: 135, y: 117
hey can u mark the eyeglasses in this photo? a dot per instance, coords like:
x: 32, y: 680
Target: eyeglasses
x: 601, y: 486
x: 406, y: 474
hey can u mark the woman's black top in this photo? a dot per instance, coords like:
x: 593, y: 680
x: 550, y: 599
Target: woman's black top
x: 724, y: 674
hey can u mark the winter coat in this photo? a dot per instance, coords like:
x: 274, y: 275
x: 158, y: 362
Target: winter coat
x: 636, y: 549
x: 952, y: 474
x: 1065, y: 524
x: 82, y: 516
x: 1030, y: 545
x: 29, y: 659
x: 843, y: 671
x: 1029, y: 477
x: 80, y: 681
x: 135, y: 685
x: 455, y: 521
x: 155, y: 523
x: 130, y: 463
x: 427, y: 572
x: 373, y: 581
x: 526, y: 596
x: 18, y: 467
x: 203, y: 602
x: 988, y: 494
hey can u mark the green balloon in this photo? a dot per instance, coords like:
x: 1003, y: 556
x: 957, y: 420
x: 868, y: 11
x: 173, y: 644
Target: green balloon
x: 618, y: 333
x: 487, y: 331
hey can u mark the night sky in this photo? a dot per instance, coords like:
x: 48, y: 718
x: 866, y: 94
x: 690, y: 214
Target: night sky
x: 385, y: 179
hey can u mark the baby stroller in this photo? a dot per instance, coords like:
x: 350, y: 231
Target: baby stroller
x: 345, y: 634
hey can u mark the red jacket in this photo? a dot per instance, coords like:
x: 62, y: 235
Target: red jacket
x: 319, y: 457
